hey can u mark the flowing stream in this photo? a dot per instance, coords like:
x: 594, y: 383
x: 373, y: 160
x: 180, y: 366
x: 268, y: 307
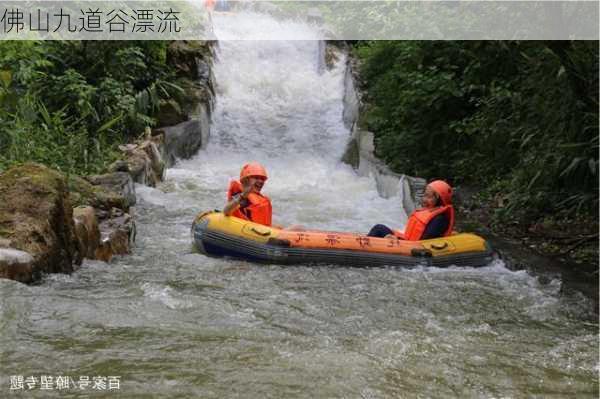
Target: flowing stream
x: 173, y: 323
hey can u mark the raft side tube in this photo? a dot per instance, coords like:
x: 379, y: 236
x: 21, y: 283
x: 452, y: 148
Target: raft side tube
x: 219, y: 243
x: 330, y: 240
x: 307, y: 239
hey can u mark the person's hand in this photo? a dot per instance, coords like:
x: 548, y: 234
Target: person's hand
x: 246, y: 191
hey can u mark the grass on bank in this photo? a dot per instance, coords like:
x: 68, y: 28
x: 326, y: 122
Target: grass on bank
x: 69, y: 104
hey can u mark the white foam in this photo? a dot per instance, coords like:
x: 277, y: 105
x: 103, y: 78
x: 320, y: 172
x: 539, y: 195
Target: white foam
x: 274, y: 106
x: 165, y: 295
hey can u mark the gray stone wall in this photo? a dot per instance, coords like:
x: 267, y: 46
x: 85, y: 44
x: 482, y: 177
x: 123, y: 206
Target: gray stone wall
x: 360, y: 150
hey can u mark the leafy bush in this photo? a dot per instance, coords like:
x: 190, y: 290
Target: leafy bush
x: 518, y: 117
x: 68, y: 104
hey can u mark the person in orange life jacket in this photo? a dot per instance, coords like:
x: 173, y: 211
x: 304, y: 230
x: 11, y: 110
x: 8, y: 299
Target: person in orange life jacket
x: 210, y: 5
x: 245, y: 200
x: 435, y: 219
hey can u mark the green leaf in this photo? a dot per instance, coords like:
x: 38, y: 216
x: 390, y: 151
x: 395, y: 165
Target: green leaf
x: 572, y: 166
x: 5, y: 78
x: 110, y: 123
x: 45, y: 114
x: 572, y: 145
x: 527, y: 140
x: 534, y: 179
x: 593, y: 165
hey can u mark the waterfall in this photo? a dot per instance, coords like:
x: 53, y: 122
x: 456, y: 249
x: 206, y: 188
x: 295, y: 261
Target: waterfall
x: 276, y: 106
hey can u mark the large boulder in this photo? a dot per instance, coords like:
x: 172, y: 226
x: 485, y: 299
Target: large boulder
x: 170, y: 113
x: 187, y: 57
x: 36, y: 217
x: 118, y: 182
x: 196, y: 94
x: 183, y: 141
x: 83, y: 193
x: 192, y: 59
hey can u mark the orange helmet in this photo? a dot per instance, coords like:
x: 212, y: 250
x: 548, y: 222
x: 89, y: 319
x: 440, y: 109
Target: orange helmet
x: 253, y: 169
x: 442, y: 189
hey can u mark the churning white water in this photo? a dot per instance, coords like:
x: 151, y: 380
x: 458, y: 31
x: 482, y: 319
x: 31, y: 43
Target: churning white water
x: 173, y: 323
x: 275, y: 106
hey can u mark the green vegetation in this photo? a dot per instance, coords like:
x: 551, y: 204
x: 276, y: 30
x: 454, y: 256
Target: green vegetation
x: 519, y: 119
x: 68, y: 104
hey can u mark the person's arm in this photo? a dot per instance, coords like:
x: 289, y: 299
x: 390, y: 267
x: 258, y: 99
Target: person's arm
x: 436, y: 227
x: 232, y: 205
x: 236, y: 201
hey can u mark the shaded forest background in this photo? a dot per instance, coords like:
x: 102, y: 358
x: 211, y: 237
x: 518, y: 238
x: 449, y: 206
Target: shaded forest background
x: 518, y: 119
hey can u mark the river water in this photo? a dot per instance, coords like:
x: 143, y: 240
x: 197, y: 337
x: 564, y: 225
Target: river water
x: 173, y: 323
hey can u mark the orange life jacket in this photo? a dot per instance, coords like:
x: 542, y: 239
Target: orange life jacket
x: 259, y: 210
x: 418, y: 221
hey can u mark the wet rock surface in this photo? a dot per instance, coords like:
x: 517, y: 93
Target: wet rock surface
x: 118, y: 182
x: 185, y: 134
x: 184, y: 140
x: 86, y: 230
x: 36, y: 217
x: 186, y: 56
x: 170, y: 113
x: 145, y: 160
x: 40, y: 232
x: 84, y: 193
x: 360, y: 150
x: 117, y: 235
x: 16, y: 265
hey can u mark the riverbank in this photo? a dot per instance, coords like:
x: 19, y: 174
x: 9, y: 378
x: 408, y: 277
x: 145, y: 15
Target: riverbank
x: 50, y: 221
x: 569, y: 240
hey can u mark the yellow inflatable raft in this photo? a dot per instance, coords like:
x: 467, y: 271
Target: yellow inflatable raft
x: 215, y: 234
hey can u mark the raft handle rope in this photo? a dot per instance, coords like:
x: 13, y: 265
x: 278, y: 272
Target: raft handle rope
x: 261, y: 233
x: 421, y: 252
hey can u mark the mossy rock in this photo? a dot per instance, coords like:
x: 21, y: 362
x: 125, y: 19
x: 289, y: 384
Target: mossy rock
x: 36, y: 217
x: 197, y: 48
x: 194, y: 93
x: 184, y: 56
x: 45, y: 180
x: 170, y: 113
x: 352, y: 154
x: 85, y: 194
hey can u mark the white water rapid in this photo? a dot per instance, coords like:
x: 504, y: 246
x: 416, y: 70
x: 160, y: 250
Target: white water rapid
x: 274, y: 107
